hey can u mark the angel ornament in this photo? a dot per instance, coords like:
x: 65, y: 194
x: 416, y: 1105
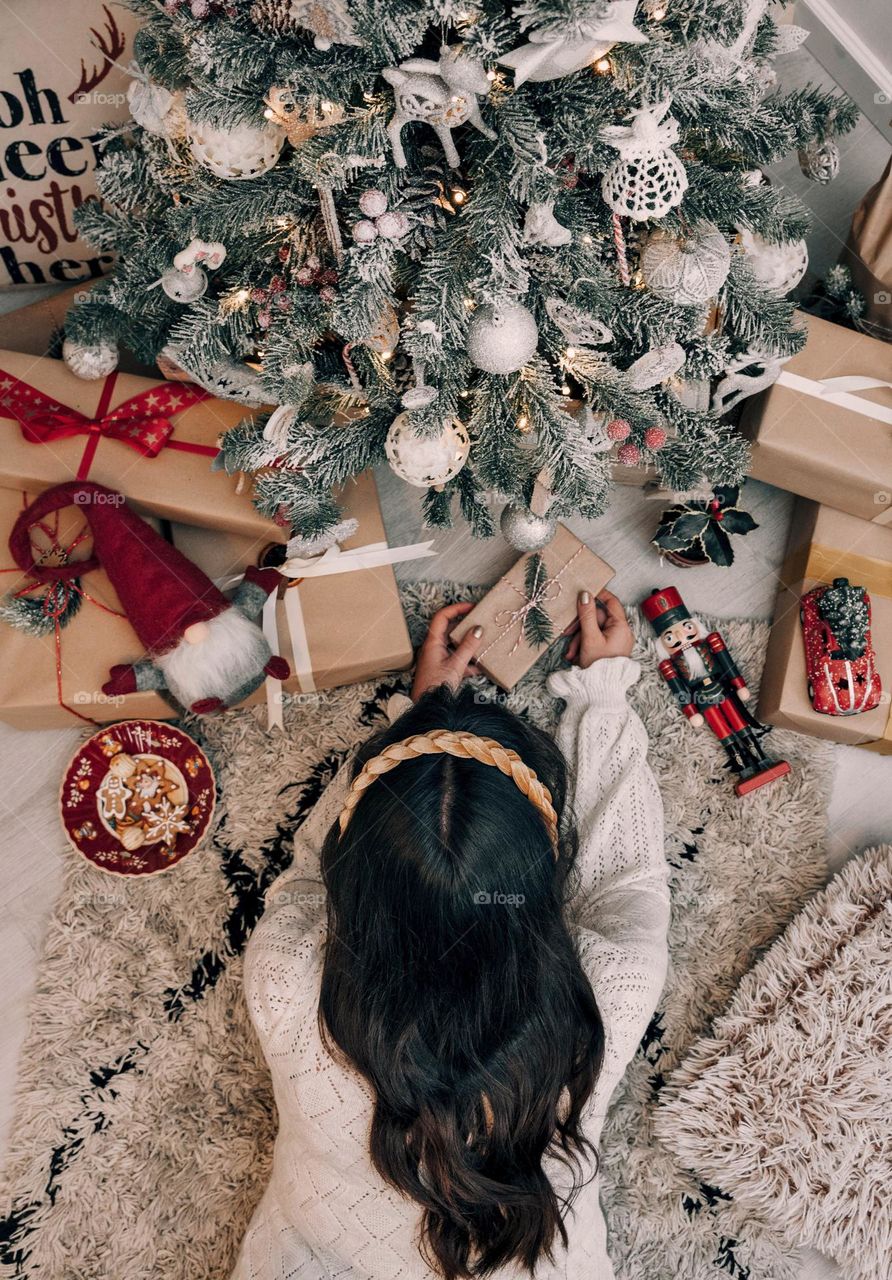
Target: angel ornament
x: 442, y: 94
x: 647, y: 179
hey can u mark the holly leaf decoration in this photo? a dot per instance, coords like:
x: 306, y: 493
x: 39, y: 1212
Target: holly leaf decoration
x: 717, y: 545
x: 735, y: 520
x: 538, y: 628
x: 682, y: 531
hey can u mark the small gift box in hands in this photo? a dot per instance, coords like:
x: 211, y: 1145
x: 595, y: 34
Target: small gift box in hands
x: 532, y: 605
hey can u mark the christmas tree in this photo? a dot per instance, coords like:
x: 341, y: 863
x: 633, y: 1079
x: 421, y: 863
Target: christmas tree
x: 505, y: 246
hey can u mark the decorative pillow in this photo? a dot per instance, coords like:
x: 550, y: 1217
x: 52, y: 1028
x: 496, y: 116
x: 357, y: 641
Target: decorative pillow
x: 62, y: 78
x: 787, y: 1106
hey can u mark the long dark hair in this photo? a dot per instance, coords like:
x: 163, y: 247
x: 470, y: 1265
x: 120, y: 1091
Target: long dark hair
x: 452, y: 983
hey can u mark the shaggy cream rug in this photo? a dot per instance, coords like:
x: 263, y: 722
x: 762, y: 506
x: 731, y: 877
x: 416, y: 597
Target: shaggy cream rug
x: 145, y: 1124
x: 786, y: 1103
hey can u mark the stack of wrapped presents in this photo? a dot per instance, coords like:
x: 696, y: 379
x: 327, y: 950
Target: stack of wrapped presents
x: 824, y: 432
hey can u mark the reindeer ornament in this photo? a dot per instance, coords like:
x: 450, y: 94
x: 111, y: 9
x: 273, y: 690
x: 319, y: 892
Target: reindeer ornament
x: 442, y: 94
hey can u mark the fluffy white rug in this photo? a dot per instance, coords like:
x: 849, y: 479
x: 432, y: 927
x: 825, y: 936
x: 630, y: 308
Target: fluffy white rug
x: 144, y: 1119
x: 786, y: 1103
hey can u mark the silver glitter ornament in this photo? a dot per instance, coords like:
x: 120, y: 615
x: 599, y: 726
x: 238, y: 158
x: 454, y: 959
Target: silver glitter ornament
x: 525, y: 531
x: 820, y: 161
x: 502, y: 336
x: 90, y: 362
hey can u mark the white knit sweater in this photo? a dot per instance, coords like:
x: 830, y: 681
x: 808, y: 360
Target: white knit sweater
x: 326, y: 1212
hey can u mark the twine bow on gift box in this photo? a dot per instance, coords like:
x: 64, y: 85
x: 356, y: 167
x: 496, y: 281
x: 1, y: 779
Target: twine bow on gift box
x: 531, y: 618
x: 142, y: 422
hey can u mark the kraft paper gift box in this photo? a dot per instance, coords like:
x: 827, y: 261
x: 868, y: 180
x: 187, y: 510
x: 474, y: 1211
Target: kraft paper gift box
x: 37, y: 329
x: 89, y: 644
x: 334, y: 628
x: 568, y: 567
x: 826, y: 439
x: 56, y: 427
x: 826, y: 544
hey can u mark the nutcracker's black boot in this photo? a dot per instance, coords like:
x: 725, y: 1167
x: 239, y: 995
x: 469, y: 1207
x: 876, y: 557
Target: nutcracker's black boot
x: 759, y: 769
x: 737, y: 762
x: 750, y: 748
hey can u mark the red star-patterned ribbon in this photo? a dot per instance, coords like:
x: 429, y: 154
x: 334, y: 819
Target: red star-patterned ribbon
x: 142, y: 422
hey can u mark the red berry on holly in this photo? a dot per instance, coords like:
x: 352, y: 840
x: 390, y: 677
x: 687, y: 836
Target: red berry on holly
x: 276, y: 285
x: 258, y: 295
x: 304, y: 275
x: 629, y: 455
x: 619, y: 429
x: 654, y: 438
x: 327, y: 293
x: 285, y: 253
x: 283, y: 302
x: 264, y: 318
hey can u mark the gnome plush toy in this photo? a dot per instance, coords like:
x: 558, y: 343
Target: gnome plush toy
x: 205, y: 651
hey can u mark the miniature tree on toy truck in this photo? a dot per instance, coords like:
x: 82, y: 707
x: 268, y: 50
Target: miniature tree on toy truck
x: 419, y: 229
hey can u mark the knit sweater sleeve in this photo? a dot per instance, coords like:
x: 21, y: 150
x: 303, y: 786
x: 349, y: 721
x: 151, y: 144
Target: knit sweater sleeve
x: 620, y: 903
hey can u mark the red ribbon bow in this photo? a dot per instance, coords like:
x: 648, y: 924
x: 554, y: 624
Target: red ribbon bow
x: 141, y: 422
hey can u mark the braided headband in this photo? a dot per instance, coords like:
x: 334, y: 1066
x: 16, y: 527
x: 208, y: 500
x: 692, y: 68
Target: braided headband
x: 466, y: 746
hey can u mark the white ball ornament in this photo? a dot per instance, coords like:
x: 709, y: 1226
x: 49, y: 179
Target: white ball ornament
x: 424, y: 460
x: 525, y: 531
x: 184, y: 286
x: 690, y: 270
x: 90, y: 362
x: 778, y: 267
x: 502, y: 337
x: 373, y: 203
x: 243, y: 152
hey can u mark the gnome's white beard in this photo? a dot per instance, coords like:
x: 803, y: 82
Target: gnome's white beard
x: 232, y: 653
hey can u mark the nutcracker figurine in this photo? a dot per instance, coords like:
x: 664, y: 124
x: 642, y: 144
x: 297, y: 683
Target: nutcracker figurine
x: 709, y: 688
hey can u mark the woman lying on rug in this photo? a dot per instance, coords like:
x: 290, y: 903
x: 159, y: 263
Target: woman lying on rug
x: 447, y: 1012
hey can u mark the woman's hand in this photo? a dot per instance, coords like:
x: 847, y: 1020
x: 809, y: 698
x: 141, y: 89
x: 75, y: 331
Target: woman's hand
x: 604, y: 631
x: 438, y: 664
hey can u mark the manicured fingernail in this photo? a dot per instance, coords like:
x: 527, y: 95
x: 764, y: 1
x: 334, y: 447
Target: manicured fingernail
x: 584, y: 597
x: 478, y: 632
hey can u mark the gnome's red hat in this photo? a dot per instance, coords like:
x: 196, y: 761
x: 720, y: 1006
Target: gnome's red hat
x: 161, y: 591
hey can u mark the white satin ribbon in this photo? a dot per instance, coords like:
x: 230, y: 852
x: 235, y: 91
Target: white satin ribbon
x: 843, y: 392
x: 334, y: 560
x: 337, y: 560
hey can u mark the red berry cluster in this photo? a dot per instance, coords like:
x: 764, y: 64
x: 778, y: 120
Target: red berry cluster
x: 629, y: 454
x: 273, y: 295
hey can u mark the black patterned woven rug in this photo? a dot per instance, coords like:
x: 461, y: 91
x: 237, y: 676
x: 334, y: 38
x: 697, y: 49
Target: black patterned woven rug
x: 144, y: 1119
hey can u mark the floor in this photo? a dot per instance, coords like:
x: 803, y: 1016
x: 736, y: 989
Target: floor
x: 859, y: 813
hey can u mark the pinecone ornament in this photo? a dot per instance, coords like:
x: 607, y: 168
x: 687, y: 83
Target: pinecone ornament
x: 328, y: 21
